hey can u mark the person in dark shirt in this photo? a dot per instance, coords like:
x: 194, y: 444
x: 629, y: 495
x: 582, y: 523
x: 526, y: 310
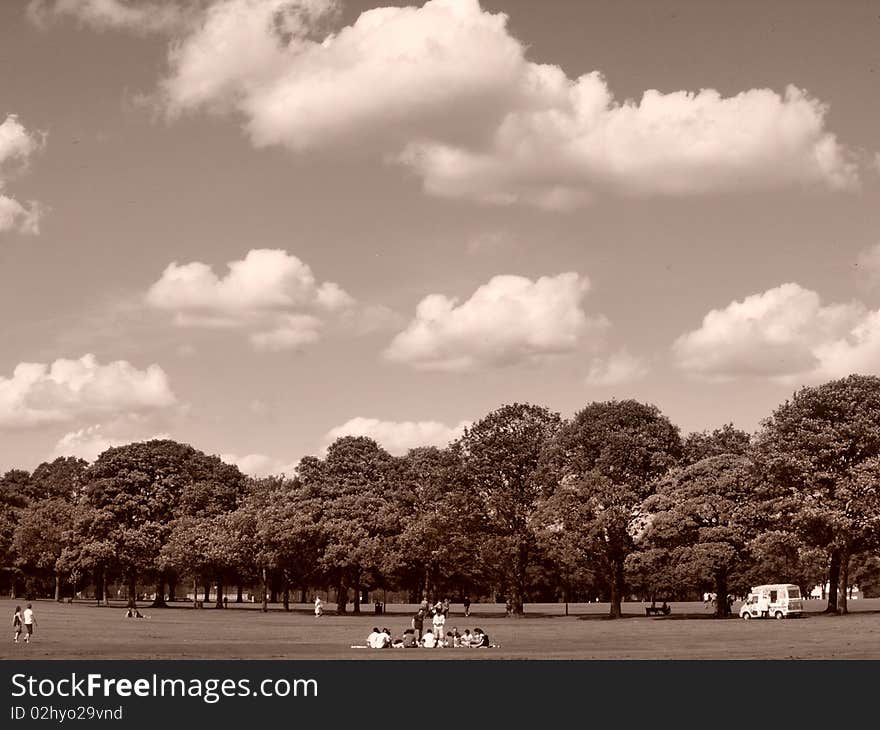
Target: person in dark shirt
x: 467, y: 606
x: 482, y: 639
x: 418, y: 623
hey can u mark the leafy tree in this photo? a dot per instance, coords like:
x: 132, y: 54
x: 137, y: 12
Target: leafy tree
x: 134, y: 492
x: 781, y: 556
x: 62, y: 478
x: 42, y: 532
x: 600, y: 468
x: 443, y: 524
x: 725, y: 440
x: 500, y: 455
x: 696, y: 516
x: 809, y: 450
x: 355, y: 483
x: 13, y: 496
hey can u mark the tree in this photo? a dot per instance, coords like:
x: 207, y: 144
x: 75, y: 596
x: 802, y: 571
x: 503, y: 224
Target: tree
x: 696, y: 516
x: 134, y: 492
x: 500, y: 455
x: 355, y: 483
x: 62, y: 478
x: 809, y: 450
x: 443, y: 524
x: 13, y: 496
x: 599, y: 469
x: 782, y: 556
x: 725, y: 440
x: 40, y: 537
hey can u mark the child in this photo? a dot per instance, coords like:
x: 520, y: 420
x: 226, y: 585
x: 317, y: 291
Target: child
x: 466, y: 638
x: 17, y: 623
x: 428, y: 640
x: 454, y: 638
x: 30, y: 622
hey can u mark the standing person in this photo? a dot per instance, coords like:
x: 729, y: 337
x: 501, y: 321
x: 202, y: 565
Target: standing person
x: 424, y: 606
x: 30, y: 622
x: 445, y: 608
x: 467, y: 606
x: 418, y: 623
x: 17, y: 621
x: 319, y: 606
x: 438, y: 623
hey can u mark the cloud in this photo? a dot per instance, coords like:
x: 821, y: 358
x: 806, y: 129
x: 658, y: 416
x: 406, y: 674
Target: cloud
x: 140, y: 16
x: 17, y: 145
x: 785, y: 334
x: 447, y: 91
x: 260, y: 465
x: 270, y: 293
x: 510, y: 319
x: 616, y: 369
x: 66, y: 390
x: 398, y: 437
x: 90, y: 442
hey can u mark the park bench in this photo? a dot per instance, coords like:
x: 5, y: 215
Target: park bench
x: 654, y: 610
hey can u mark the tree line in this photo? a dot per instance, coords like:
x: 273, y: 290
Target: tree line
x: 613, y: 503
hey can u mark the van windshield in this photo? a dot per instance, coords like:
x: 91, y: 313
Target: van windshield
x: 794, y: 593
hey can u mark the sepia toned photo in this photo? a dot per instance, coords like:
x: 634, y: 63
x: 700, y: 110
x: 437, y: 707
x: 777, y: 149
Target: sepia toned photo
x: 459, y: 329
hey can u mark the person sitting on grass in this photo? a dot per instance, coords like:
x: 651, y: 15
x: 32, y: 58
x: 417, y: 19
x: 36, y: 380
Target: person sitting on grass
x: 409, y: 640
x: 467, y: 638
x: 454, y: 638
x: 428, y: 640
x: 373, y: 638
x: 481, y: 639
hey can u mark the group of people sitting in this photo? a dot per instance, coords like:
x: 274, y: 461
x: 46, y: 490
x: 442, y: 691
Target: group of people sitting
x: 382, y: 639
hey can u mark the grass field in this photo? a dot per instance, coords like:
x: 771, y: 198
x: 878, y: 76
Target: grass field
x: 85, y: 631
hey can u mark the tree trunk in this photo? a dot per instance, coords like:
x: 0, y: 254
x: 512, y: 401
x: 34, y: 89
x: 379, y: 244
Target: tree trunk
x: 195, y: 593
x: 58, y: 587
x: 273, y: 593
x: 721, y: 596
x: 341, y: 598
x: 99, y: 587
x: 302, y: 596
x: 285, y: 594
x: 172, y: 589
x: 238, y: 596
x: 264, y: 588
x: 159, y: 600
x: 219, y: 603
x: 844, y: 580
x: 616, y: 590
x: 520, y: 560
x: 132, y: 593
x: 207, y: 597
x: 357, y: 592
x: 833, y: 578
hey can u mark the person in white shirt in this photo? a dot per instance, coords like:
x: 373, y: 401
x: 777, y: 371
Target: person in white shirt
x: 30, y: 622
x: 319, y: 606
x: 439, y: 623
x: 428, y: 640
x: 373, y: 638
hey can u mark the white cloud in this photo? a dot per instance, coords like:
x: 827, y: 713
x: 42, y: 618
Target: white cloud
x: 260, y: 465
x: 17, y: 145
x: 447, y: 91
x: 270, y: 293
x: 90, y: 442
x: 618, y: 368
x: 785, y: 334
x: 141, y: 16
x: 508, y: 320
x: 65, y: 390
x: 398, y: 437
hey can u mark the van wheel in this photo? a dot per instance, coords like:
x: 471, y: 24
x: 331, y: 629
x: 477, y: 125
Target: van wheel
x: 778, y: 615
x: 746, y: 616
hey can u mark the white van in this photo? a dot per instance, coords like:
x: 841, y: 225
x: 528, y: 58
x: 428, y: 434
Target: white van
x: 779, y: 600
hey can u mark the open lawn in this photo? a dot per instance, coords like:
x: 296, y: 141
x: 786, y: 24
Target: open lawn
x: 85, y: 631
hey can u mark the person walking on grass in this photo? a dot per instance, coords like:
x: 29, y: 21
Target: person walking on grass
x: 17, y: 622
x: 467, y: 606
x: 30, y: 623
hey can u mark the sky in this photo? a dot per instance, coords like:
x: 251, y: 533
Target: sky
x: 258, y: 225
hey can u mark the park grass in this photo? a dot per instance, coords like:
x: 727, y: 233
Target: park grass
x: 84, y: 631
